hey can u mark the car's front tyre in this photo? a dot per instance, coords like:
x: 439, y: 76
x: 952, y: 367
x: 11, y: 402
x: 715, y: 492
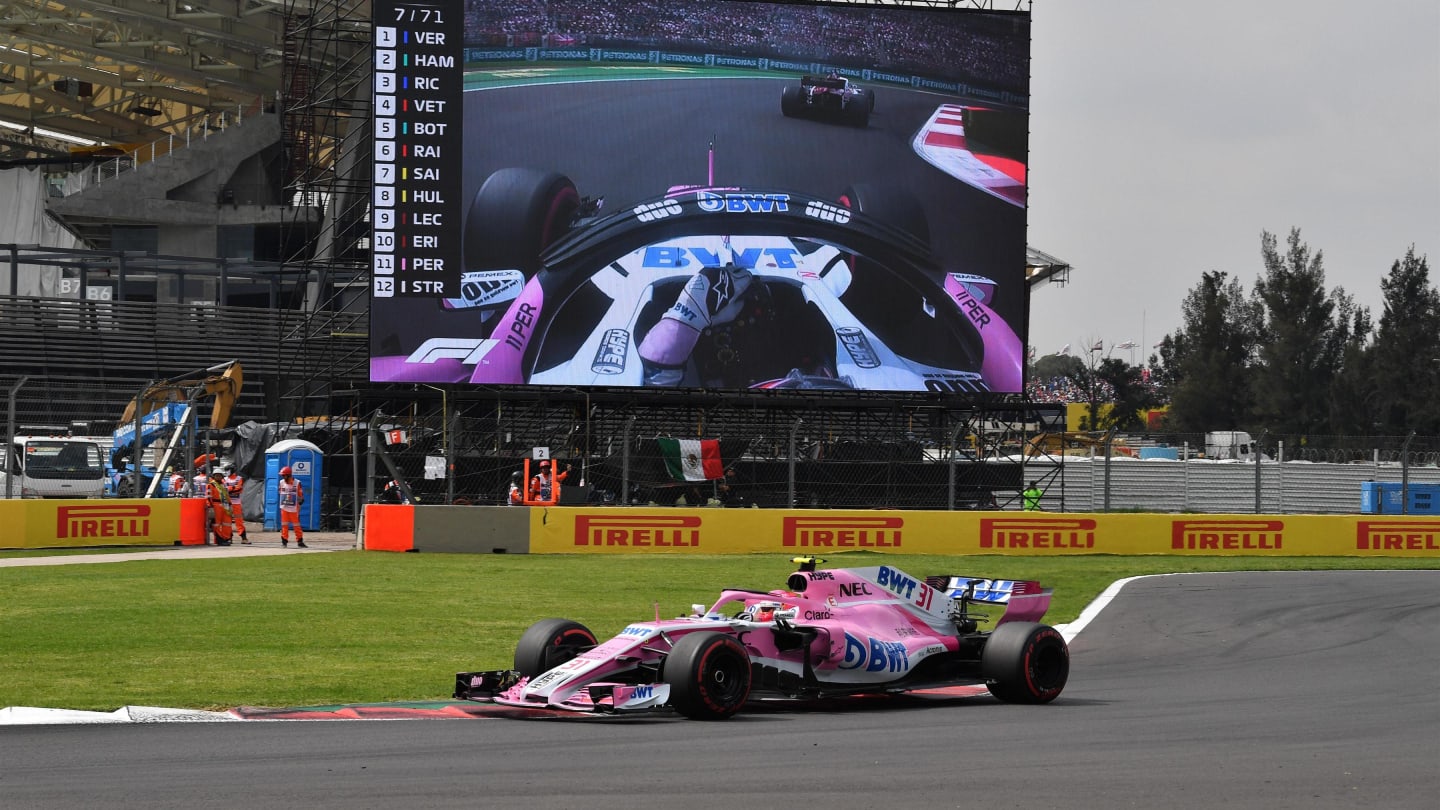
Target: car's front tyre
x: 709, y: 676
x: 515, y: 216
x: 549, y: 643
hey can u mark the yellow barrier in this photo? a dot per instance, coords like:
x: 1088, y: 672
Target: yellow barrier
x: 83, y: 523
x: 630, y: 530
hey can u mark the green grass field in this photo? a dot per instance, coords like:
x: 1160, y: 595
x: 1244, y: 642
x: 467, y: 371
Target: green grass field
x: 358, y: 627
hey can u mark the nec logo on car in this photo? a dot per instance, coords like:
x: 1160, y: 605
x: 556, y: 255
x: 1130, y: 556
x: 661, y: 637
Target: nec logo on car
x: 1227, y: 535
x: 842, y: 532
x: 1397, y: 535
x: 102, y: 521
x: 638, y: 531
x: 1037, y: 533
x: 742, y: 203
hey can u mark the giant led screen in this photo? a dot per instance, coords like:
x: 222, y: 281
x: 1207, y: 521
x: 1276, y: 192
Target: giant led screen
x: 700, y: 195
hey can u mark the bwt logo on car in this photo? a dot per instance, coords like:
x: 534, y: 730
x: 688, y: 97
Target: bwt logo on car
x: 842, y: 532
x: 755, y: 203
x: 896, y: 582
x: 1396, y: 535
x: 874, y: 655
x: 102, y: 521
x: 639, y: 531
x: 1037, y: 533
x: 1227, y: 535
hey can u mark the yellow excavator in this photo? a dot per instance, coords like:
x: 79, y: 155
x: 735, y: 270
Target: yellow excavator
x: 223, y: 382
x: 177, y: 397
x: 1073, y: 444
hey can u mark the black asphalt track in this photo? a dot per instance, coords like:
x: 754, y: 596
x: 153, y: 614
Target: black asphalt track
x: 1273, y: 690
x: 627, y: 141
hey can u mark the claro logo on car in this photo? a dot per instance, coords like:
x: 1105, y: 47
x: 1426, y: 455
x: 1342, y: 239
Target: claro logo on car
x: 1396, y: 535
x: 102, y: 522
x: 842, y: 532
x: 638, y: 531
x: 1227, y: 535
x: 1037, y: 533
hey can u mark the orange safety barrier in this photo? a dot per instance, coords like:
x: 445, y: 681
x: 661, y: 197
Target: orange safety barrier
x: 192, y: 522
x: 389, y: 527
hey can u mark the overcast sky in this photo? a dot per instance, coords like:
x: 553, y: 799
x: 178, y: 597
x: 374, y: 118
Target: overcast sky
x: 1165, y: 137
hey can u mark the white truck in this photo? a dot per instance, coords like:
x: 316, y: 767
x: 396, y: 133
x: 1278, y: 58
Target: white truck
x: 1231, y: 444
x: 52, y: 467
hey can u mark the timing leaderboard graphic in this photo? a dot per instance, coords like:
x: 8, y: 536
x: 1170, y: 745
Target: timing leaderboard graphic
x: 418, y: 91
x: 700, y: 194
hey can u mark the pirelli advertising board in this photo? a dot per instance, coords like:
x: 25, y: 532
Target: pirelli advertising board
x: 85, y: 523
x: 740, y: 531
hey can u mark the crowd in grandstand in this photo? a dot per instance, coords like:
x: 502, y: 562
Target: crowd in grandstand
x: 940, y: 44
x: 1064, y: 389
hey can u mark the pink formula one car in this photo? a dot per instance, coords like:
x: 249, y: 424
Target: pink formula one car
x: 831, y: 632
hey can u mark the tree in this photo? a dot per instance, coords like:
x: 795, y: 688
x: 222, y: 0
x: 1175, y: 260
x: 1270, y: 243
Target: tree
x: 1353, y: 393
x: 1209, y: 361
x: 1129, y: 395
x: 1055, y: 365
x: 1302, y: 338
x: 1405, y: 359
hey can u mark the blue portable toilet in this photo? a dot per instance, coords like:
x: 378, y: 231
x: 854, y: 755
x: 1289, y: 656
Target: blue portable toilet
x: 306, y: 463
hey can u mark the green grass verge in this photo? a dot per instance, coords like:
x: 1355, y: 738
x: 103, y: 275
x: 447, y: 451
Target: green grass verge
x: 356, y: 627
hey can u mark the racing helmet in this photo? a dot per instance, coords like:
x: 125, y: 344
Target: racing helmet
x: 765, y: 611
x: 284, y: 471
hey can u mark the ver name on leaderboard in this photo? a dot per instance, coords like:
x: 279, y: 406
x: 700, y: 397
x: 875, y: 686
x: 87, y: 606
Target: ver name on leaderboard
x: 419, y: 84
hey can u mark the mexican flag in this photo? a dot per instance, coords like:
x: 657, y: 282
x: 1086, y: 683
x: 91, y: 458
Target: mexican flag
x: 692, y: 459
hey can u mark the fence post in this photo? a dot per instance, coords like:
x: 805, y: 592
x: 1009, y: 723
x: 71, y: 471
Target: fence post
x: 450, y: 442
x: 625, y: 463
x: 1280, y: 470
x: 954, y: 451
x: 790, y: 490
x: 10, y: 462
x: 1109, y: 439
x: 1405, y: 475
x: 1255, y: 451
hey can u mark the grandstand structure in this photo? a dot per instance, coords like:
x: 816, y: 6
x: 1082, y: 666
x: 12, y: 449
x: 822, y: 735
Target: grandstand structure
x: 210, y: 164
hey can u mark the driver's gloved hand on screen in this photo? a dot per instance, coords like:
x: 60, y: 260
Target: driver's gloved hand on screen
x: 714, y: 296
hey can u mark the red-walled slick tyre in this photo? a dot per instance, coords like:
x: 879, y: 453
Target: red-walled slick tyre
x: 1025, y: 662
x: 549, y: 643
x: 709, y: 676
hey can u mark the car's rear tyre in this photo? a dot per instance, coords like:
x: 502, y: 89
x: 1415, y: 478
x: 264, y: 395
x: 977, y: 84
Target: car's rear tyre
x: 895, y: 207
x: 515, y: 215
x: 709, y: 676
x: 858, y: 111
x: 1025, y: 662
x: 791, y: 103
x: 549, y: 643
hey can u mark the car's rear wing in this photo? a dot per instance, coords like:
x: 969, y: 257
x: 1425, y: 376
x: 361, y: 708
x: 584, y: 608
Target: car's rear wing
x: 1024, y: 600
x: 823, y: 81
